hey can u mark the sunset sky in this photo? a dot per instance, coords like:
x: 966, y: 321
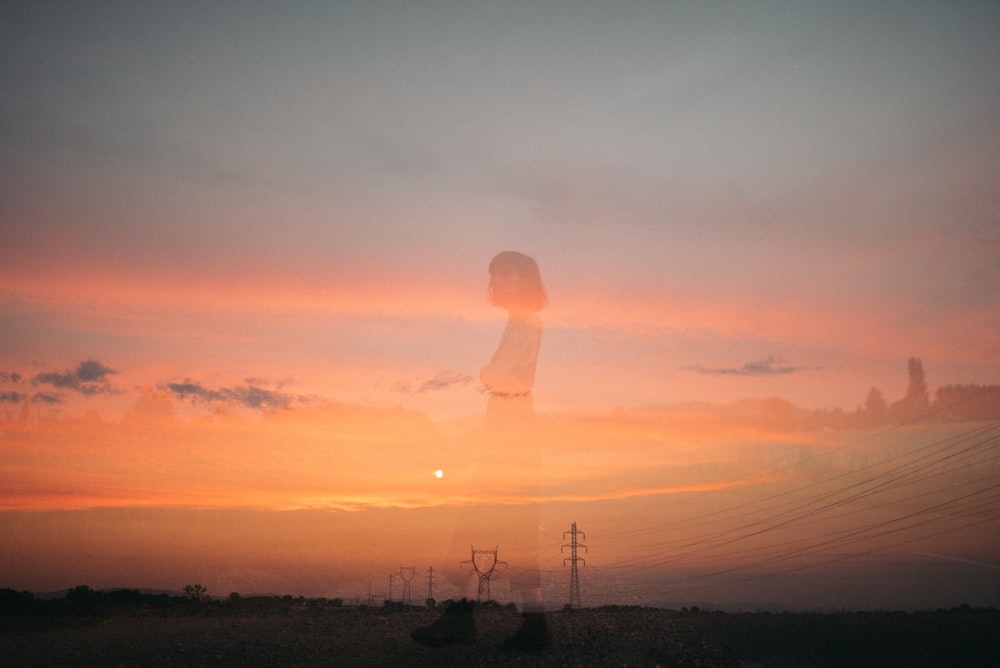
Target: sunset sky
x: 243, y: 290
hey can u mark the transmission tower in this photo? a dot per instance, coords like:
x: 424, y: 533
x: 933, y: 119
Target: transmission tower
x: 388, y: 596
x: 574, y: 574
x: 406, y: 573
x: 430, y: 583
x: 485, y: 572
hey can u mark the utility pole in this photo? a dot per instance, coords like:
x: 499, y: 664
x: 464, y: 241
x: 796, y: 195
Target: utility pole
x: 371, y: 596
x: 489, y: 559
x: 574, y: 574
x: 430, y: 584
x: 388, y: 597
x: 407, y: 573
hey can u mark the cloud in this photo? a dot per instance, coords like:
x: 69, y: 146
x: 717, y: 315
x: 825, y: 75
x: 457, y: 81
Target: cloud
x: 768, y: 367
x: 89, y: 378
x: 442, y: 381
x: 42, y: 398
x: 11, y: 396
x: 247, y: 395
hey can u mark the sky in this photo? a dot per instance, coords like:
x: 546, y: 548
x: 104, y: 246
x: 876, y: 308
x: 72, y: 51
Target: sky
x: 243, y: 289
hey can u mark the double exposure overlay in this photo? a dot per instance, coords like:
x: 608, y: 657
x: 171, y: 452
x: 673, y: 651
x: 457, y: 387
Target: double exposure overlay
x: 291, y: 300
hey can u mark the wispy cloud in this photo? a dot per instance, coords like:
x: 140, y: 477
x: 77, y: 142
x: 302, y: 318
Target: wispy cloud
x: 441, y: 381
x: 768, y: 367
x: 12, y: 397
x: 89, y: 378
x: 248, y: 395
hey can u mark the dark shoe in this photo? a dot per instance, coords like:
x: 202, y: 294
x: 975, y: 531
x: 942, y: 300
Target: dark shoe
x: 456, y: 626
x: 533, y: 634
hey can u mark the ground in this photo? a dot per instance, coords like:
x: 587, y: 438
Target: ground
x: 293, y: 632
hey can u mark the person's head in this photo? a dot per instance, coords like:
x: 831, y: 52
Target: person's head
x: 516, y: 283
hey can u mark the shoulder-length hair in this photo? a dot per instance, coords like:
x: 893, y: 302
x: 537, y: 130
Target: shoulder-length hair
x: 532, y: 290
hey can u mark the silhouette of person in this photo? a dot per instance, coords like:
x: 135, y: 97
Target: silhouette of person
x: 508, y: 441
x: 515, y: 285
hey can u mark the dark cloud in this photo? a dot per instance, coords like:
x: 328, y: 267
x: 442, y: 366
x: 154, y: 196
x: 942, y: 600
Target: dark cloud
x: 88, y: 378
x: 189, y: 390
x: 248, y: 395
x: 768, y: 367
x: 10, y: 377
x: 258, y: 397
x: 12, y: 397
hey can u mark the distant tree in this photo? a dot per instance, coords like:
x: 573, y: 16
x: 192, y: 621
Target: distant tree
x: 195, y: 592
x: 81, y: 598
x: 917, y: 390
x: 968, y: 402
x: 917, y: 401
x: 875, y: 402
x: 16, y: 602
x: 120, y: 596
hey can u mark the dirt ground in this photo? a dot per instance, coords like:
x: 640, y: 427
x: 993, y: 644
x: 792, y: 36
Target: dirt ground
x: 295, y: 634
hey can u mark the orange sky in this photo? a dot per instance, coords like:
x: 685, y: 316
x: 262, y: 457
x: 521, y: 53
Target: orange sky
x: 736, y: 493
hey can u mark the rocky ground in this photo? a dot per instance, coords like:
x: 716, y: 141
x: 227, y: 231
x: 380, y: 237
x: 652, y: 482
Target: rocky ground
x: 297, y: 633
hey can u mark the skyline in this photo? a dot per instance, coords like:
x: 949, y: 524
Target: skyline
x: 243, y: 274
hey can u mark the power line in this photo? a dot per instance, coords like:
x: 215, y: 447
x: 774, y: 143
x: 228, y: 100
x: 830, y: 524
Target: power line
x: 959, y: 454
x: 701, y: 520
x: 797, y: 510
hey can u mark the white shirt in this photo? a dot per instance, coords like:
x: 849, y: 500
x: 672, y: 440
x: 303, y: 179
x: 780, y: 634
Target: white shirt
x: 511, y: 371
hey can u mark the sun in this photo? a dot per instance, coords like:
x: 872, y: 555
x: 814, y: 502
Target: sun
x: 439, y: 473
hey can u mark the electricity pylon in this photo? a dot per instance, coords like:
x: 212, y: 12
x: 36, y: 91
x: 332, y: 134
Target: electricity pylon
x: 406, y: 573
x: 486, y: 572
x: 430, y: 583
x: 574, y: 574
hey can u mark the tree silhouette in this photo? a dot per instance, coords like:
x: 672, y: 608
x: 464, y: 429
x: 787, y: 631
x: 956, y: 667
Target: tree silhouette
x: 81, y: 599
x: 917, y: 402
x: 195, y: 592
x: 917, y: 391
x: 875, y: 402
x: 968, y: 402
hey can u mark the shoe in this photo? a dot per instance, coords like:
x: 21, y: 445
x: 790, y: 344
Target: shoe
x: 533, y: 634
x: 456, y: 626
